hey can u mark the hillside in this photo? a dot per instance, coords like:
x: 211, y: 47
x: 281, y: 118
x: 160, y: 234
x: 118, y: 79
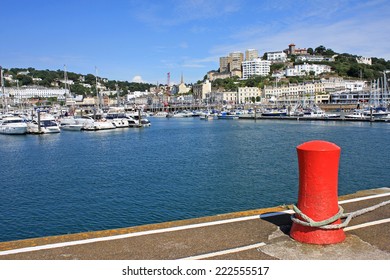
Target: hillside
x: 50, y: 78
x: 344, y: 65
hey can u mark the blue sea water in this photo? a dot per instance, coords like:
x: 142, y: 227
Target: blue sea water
x: 176, y: 169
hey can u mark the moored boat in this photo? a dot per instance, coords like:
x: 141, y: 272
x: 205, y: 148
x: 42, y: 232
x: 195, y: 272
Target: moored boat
x: 44, y: 124
x: 227, y: 116
x: 12, y: 125
x: 274, y: 113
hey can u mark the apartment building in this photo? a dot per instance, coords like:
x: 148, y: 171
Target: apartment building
x: 255, y: 67
x: 305, y: 69
x: 236, y: 59
x: 224, y: 64
x: 231, y: 63
x: 293, y: 93
x: 35, y: 91
x: 278, y: 56
x: 251, y: 54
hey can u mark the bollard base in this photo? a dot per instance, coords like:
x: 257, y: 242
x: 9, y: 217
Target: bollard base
x: 317, y: 236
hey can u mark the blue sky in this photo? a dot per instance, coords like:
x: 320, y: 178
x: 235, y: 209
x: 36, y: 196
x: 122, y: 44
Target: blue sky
x: 144, y: 40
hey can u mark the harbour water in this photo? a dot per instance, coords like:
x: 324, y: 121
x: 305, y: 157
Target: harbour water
x: 176, y: 169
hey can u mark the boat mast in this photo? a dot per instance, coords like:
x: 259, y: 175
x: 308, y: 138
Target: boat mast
x: 67, y: 94
x: 117, y: 94
x: 4, y: 98
x: 97, y: 90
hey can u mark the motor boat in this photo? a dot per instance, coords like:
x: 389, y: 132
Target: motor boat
x: 12, y: 125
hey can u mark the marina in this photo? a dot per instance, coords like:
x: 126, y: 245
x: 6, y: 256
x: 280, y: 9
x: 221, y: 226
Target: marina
x: 178, y: 168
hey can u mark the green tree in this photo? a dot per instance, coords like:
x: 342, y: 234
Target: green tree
x: 320, y: 49
x: 24, y: 80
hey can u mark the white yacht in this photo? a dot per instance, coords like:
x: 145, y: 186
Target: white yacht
x: 70, y: 123
x: 357, y: 114
x: 98, y: 123
x: 12, y: 125
x: 119, y: 120
x: 161, y: 114
x: 47, y: 124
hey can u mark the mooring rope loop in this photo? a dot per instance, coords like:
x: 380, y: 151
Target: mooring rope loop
x: 327, y: 224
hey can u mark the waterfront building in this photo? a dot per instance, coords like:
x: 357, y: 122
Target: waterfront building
x: 321, y: 98
x: 294, y: 93
x: 248, y: 94
x: 251, y: 54
x: 340, y: 85
x: 221, y: 97
x: 350, y: 97
x: 354, y: 86
x: 278, y: 56
x: 255, y: 67
x: 201, y: 90
x: 333, y: 84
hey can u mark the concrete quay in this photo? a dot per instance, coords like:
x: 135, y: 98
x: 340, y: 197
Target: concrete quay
x: 260, y: 234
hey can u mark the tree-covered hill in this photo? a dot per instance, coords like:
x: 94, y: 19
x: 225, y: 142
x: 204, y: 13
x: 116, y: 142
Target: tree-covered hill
x: 344, y: 65
x: 50, y: 78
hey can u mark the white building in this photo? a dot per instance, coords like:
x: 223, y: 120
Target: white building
x: 364, y: 60
x: 313, y: 58
x: 305, y: 69
x: 34, y: 92
x: 293, y: 93
x: 247, y: 94
x: 255, y: 67
x: 354, y: 86
x: 340, y: 85
x: 277, y: 56
x: 230, y: 97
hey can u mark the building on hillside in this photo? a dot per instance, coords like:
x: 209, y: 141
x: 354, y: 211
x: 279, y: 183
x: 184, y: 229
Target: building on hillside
x: 305, y: 69
x: 278, y: 56
x: 255, y: 67
x: 251, y: 54
x: 364, y: 60
x: 292, y: 50
x: 213, y: 75
x: 180, y: 88
x: 231, y: 64
x: 224, y: 64
x: 236, y: 59
x: 313, y: 58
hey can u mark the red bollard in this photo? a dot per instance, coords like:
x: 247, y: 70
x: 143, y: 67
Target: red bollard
x: 318, y: 198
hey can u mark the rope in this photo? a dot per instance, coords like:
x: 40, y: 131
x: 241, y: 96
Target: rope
x: 326, y: 224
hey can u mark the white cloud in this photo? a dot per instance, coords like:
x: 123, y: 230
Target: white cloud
x: 137, y: 79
